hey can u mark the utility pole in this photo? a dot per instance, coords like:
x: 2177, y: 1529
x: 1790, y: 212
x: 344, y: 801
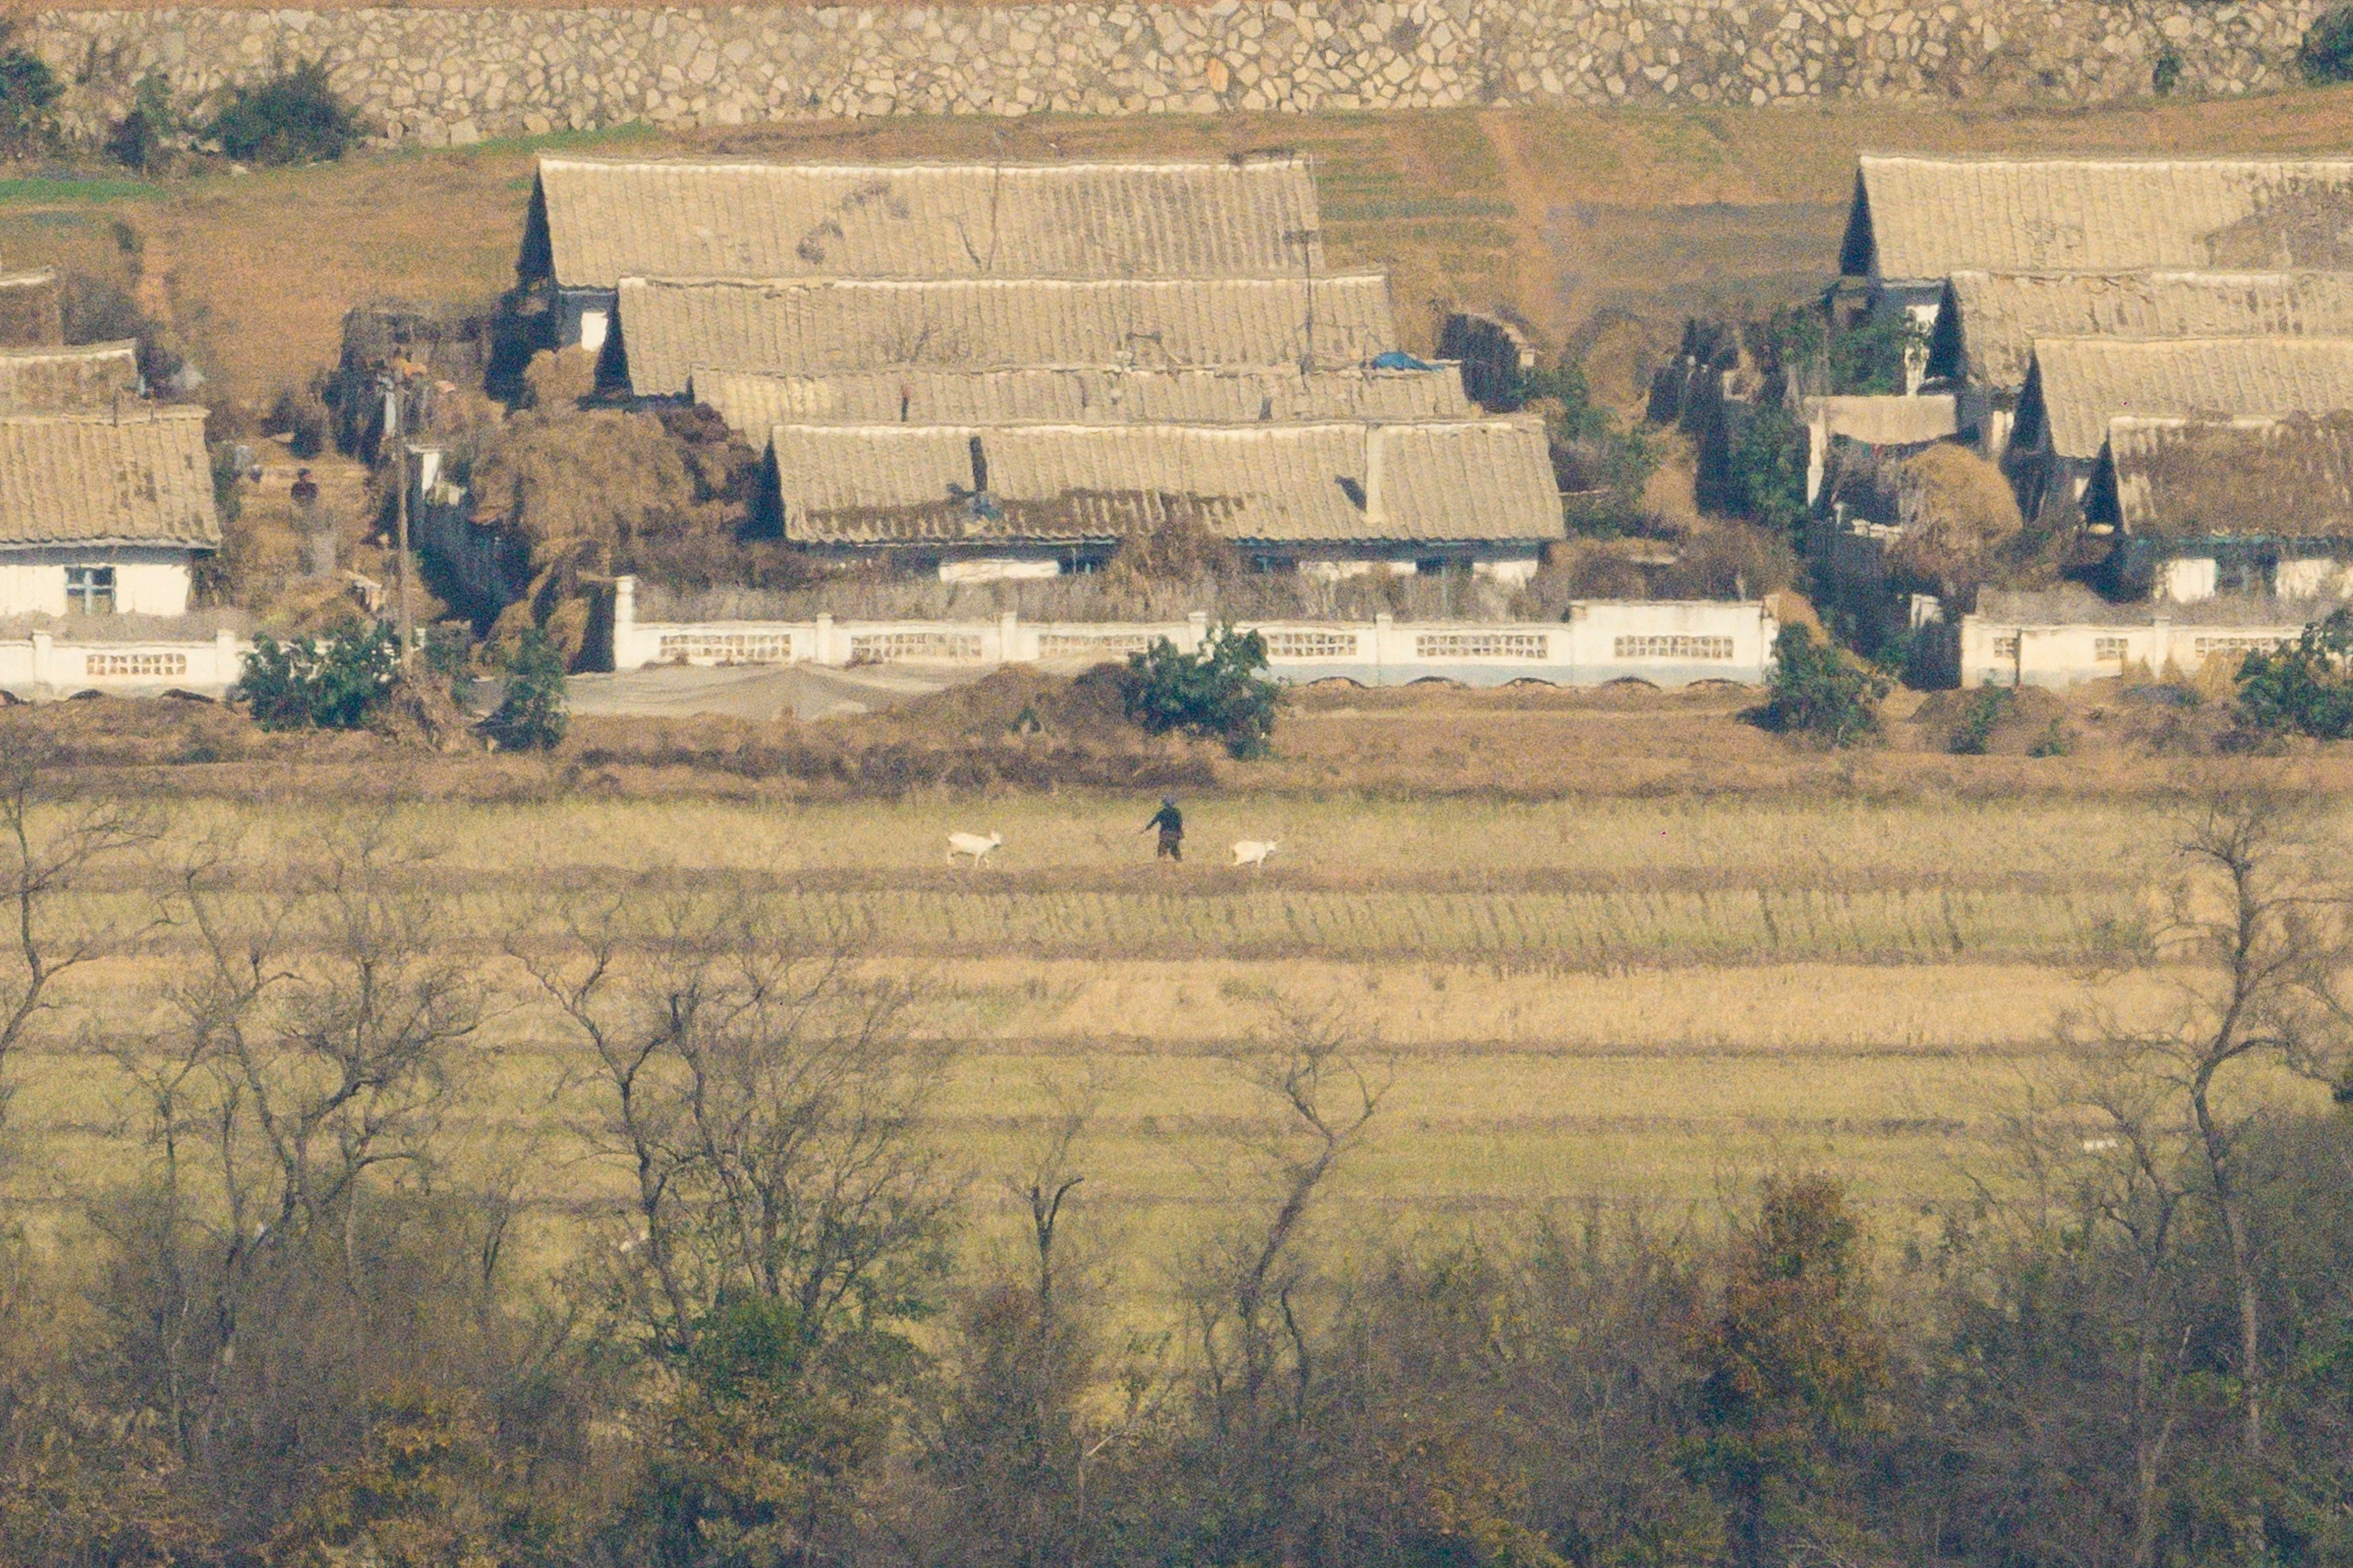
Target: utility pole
x: 400, y: 490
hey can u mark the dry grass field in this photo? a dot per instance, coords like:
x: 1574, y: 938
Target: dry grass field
x: 1579, y: 221
x: 1606, y: 990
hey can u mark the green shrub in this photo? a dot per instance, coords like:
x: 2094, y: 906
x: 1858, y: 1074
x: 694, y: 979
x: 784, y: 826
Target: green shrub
x: 1592, y: 449
x: 28, y: 89
x: 2326, y: 52
x: 333, y: 683
x: 140, y: 138
x: 229, y: 492
x: 1767, y: 471
x: 1218, y: 692
x: 1975, y: 732
x: 532, y: 716
x: 2166, y: 74
x: 2058, y: 740
x: 293, y: 118
x: 1819, y: 689
x: 2304, y: 688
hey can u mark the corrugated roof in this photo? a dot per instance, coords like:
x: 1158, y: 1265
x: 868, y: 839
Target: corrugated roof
x: 1930, y: 217
x: 1071, y: 395
x: 668, y: 327
x: 55, y: 380
x: 2081, y: 384
x: 77, y: 479
x: 905, y: 484
x: 1986, y: 333
x: 2289, y: 478
x: 609, y: 219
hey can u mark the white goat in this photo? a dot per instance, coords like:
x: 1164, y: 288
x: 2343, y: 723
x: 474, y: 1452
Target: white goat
x: 1253, y: 852
x: 972, y: 844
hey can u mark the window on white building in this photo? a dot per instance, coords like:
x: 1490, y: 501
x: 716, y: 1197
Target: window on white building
x: 89, y: 590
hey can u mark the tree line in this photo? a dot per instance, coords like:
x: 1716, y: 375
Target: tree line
x: 288, y: 1324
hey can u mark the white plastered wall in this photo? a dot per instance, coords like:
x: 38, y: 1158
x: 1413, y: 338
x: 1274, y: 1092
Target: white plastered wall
x: 998, y: 569
x: 148, y: 580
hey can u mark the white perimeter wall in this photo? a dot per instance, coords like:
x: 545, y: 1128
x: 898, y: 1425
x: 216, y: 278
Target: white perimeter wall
x: 1996, y: 654
x: 1665, y: 643
x: 45, y: 665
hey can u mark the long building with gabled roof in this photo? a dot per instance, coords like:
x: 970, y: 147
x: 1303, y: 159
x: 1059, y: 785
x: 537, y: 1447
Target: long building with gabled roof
x: 1915, y: 221
x: 2078, y: 386
x: 594, y: 222
x: 1986, y: 333
x: 2284, y: 479
x: 752, y: 404
x: 1288, y: 494
x: 668, y: 327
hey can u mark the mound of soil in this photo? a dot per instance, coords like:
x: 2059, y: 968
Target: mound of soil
x: 1017, y: 701
x: 1016, y: 729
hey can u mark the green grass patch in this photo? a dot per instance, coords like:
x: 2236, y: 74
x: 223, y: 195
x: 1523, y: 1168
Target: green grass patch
x: 1410, y: 209
x: 37, y: 191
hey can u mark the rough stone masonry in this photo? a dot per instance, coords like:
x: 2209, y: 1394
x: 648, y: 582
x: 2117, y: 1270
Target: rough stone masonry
x: 441, y: 77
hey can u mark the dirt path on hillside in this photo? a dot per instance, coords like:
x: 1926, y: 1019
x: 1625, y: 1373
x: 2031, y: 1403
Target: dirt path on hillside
x: 1536, y: 267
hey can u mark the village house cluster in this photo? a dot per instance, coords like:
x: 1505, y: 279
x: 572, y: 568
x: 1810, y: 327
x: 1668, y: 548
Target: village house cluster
x: 106, y: 499
x: 993, y: 371
x: 2158, y: 352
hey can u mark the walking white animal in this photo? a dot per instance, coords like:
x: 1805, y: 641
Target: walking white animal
x: 972, y: 844
x: 1253, y: 852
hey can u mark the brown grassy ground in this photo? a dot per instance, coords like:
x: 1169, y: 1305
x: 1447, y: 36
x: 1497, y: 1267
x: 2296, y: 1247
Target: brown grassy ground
x: 1566, y: 217
x: 1605, y: 945
x: 1529, y: 743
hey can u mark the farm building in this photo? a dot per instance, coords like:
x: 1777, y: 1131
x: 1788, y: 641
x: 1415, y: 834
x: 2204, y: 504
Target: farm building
x: 1914, y: 222
x: 1983, y: 342
x: 1894, y: 424
x: 1034, y: 501
x: 754, y: 404
x: 1985, y: 335
x: 668, y: 328
x: 93, y: 378
x: 2245, y: 505
x: 2065, y: 636
x: 594, y: 222
x: 101, y: 515
x: 2075, y: 386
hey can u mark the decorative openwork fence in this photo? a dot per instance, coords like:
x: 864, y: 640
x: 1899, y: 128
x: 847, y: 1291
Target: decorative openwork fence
x: 43, y: 666
x: 1666, y: 643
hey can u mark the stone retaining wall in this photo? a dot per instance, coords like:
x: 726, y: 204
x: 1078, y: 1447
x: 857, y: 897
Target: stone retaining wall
x: 440, y: 77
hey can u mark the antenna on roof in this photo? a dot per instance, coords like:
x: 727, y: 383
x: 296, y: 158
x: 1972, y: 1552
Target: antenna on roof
x: 1305, y: 239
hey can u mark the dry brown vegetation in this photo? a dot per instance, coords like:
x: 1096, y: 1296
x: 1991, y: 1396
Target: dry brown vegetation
x: 1609, y: 943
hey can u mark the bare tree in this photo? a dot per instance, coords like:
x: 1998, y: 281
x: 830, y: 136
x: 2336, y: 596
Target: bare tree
x: 2254, y: 942
x: 765, y: 1095
x: 2092, y: 1214
x: 1245, y: 1287
x: 766, y: 1098
x: 55, y: 836
x: 313, y: 1046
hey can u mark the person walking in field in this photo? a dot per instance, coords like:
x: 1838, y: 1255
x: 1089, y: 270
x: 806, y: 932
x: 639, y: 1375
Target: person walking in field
x: 1171, y: 822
